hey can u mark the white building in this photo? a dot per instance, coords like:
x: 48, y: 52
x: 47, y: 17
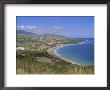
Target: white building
x: 20, y: 48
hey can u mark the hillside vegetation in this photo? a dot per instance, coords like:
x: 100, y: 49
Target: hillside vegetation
x: 32, y: 56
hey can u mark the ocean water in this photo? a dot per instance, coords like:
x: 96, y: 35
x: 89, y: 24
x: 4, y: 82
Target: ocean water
x: 81, y: 53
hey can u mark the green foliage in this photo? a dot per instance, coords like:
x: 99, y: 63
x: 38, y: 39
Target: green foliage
x: 35, y: 42
x: 26, y: 65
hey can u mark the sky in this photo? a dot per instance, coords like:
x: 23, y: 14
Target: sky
x: 68, y: 26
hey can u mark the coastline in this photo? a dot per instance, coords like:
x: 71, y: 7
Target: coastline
x: 52, y: 51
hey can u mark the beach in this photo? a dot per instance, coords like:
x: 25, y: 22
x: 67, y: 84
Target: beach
x: 53, y: 52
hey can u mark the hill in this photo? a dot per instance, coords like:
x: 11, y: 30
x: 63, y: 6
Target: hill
x: 24, y: 32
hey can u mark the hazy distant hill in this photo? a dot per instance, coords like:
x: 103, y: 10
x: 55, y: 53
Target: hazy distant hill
x: 43, y: 35
x: 24, y: 32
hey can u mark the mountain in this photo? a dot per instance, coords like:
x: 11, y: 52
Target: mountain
x: 54, y: 35
x: 24, y: 32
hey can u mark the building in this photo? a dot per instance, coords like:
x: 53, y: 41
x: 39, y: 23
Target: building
x: 20, y: 48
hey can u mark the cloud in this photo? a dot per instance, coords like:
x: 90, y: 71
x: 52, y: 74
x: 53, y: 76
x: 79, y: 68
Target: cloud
x: 22, y: 27
x: 33, y: 29
x: 56, y: 27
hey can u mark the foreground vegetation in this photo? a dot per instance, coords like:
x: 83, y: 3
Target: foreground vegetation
x: 28, y: 64
x: 34, y: 59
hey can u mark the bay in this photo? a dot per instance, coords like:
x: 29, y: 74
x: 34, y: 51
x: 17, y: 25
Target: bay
x: 81, y: 53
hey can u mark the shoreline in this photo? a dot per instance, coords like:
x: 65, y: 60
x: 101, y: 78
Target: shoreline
x: 52, y: 51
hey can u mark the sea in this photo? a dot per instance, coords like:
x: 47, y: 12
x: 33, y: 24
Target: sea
x: 80, y: 53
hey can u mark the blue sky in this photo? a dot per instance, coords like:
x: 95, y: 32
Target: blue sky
x: 69, y: 26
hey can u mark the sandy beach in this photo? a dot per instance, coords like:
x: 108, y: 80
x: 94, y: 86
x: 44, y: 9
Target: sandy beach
x: 52, y: 51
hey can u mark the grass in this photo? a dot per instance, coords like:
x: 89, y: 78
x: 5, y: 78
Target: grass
x: 26, y: 65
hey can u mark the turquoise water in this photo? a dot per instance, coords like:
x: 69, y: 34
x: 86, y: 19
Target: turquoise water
x: 81, y: 53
